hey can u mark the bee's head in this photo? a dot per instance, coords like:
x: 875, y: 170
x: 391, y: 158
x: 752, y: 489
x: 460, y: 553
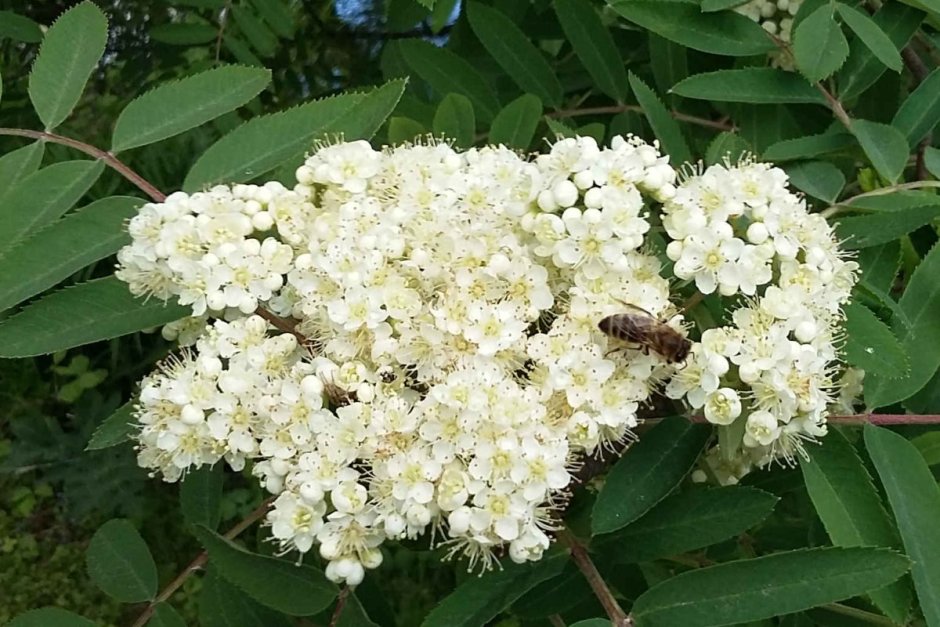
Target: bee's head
x: 682, y: 350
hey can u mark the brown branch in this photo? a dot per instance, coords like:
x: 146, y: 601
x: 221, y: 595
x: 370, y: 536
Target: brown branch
x: 837, y: 109
x: 116, y: 164
x: 340, y: 605
x: 886, y: 419
x: 148, y: 188
x: 603, y: 593
x: 200, y: 561
x: 613, y: 109
x: 921, y: 164
x: 874, y: 419
x: 283, y: 324
x: 223, y: 21
x: 920, y: 72
x: 556, y: 620
x: 915, y: 64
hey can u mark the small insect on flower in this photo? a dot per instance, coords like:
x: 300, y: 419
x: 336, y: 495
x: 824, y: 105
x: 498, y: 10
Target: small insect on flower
x: 643, y: 329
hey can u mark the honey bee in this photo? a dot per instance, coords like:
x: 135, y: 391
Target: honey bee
x: 643, y: 329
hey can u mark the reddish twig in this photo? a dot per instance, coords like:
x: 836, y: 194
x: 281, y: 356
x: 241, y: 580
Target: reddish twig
x: 603, y: 593
x: 109, y: 159
x: 836, y: 106
x: 874, y: 419
x: 200, y: 561
x: 148, y: 188
x: 283, y: 324
x: 613, y: 109
x: 920, y: 72
x: 340, y: 605
x: 886, y: 419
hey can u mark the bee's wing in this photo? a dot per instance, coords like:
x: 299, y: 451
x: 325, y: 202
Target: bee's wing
x: 639, y: 310
x: 637, y: 327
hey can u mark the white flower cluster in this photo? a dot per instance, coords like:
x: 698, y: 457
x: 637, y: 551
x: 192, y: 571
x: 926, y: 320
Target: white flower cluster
x: 455, y: 373
x: 740, y: 230
x: 774, y: 16
x: 199, y: 247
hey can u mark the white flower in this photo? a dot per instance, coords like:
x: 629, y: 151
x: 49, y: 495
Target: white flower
x: 494, y: 328
x: 761, y: 429
x: 722, y: 406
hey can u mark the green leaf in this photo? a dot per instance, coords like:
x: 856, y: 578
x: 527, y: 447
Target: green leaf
x: 757, y: 85
x: 754, y: 589
x: 710, y: 6
x: 19, y: 28
x: 593, y: 622
x: 877, y: 228
x: 648, y: 472
x: 70, y: 51
x: 851, y: 510
x: 201, y: 496
x: 44, y: 196
x: 809, y: 147
x: 726, y: 33
x: 175, y: 107
x: 265, y: 142
x: 920, y: 113
x: 882, y: 298
x: 888, y: 201
x: 17, y: 164
x: 920, y: 340
x: 120, y: 563
x: 50, y: 617
x: 55, y: 252
x: 280, y: 584
x: 258, y: 35
x: 454, y: 120
x: 183, y: 34
x: 223, y: 605
x: 884, y: 146
x: 872, y: 36
x: 559, y: 129
x: 664, y: 126
x: 880, y: 264
x: 669, y: 62
x: 819, y: 46
x: 402, y: 129
x: 276, y: 14
x: 240, y: 50
x: 354, y: 614
x: 819, y: 179
x: 928, y: 445
x: 447, y: 73
x: 730, y: 146
x: 898, y: 22
x: 479, y: 599
x: 871, y: 346
x: 88, y: 312
x: 524, y: 63
x: 687, y: 521
x: 165, y: 616
x: 115, y: 429
x: 915, y: 499
x: 553, y: 596
x: 932, y: 161
x: 515, y: 124
x: 594, y: 45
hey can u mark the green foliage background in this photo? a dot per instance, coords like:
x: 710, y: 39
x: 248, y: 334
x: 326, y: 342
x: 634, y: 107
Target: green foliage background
x: 851, y: 119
